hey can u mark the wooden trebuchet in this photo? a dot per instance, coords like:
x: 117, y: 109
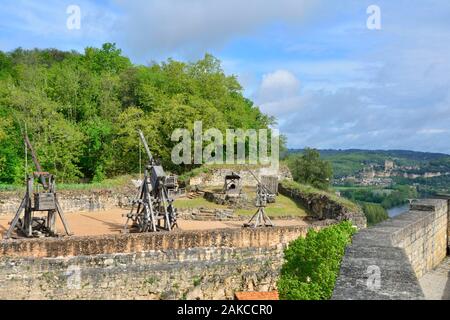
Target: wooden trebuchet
x: 40, y: 196
x: 260, y: 218
x: 153, y: 209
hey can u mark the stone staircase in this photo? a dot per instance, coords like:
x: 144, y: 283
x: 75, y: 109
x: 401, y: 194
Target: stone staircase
x: 195, y: 195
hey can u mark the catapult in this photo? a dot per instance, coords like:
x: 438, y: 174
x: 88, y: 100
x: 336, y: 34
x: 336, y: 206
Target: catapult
x: 260, y: 218
x: 153, y: 210
x: 40, y: 196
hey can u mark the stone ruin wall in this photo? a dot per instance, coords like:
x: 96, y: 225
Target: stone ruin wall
x: 74, y: 201
x: 179, y: 265
x: 321, y: 206
x: 216, y: 177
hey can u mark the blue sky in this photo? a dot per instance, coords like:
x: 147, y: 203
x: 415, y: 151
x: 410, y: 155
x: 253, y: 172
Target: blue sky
x: 330, y: 81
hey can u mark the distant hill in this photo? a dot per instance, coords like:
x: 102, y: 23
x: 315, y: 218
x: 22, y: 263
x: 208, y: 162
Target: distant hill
x: 412, y: 155
x: 349, y: 162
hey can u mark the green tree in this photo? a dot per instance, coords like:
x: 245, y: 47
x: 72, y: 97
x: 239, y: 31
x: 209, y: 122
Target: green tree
x: 5, y: 65
x: 107, y: 59
x: 97, y: 153
x: 126, y: 141
x: 10, y: 162
x: 308, y: 168
x: 82, y: 111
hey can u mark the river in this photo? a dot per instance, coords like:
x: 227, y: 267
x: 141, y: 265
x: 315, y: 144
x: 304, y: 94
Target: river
x: 393, y: 212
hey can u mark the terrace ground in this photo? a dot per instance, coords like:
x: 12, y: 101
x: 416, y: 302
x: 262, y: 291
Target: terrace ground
x: 286, y: 212
x: 112, y: 222
x: 283, y: 207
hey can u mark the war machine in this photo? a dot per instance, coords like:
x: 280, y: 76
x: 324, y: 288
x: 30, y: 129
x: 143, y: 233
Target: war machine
x: 40, y: 196
x: 263, y: 196
x: 153, y: 210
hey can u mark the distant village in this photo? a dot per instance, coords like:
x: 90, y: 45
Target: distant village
x: 381, y: 175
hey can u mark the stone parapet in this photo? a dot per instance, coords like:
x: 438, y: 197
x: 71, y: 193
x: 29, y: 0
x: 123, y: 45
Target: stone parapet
x: 176, y: 265
x: 144, y: 242
x: 386, y: 261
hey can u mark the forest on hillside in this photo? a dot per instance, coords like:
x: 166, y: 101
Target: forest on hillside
x: 352, y: 161
x: 81, y: 110
x: 375, y: 199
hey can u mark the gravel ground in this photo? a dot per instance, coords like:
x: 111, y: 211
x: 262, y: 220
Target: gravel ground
x: 112, y: 222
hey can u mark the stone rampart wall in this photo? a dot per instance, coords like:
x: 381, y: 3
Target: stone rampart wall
x: 178, y: 265
x: 386, y: 261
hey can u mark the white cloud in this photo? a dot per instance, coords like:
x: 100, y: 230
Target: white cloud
x: 392, y: 95
x: 432, y: 131
x: 165, y: 27
x: 278, y: 93
x: 280, y: 84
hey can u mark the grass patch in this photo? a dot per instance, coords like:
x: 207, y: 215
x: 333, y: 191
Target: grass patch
x: 11, y: 187
x: 197, y: 281
x: 113, y: 183
x: 196, y: 203
x: 284, y: 206
x: 106, y: 184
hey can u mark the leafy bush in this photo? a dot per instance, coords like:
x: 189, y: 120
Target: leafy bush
x: 374, y: 213
x: 312, y: 263
x: 308, y: 168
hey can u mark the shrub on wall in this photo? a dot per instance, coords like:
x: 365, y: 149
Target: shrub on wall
x: 374, y: 213
x: 312, y: 263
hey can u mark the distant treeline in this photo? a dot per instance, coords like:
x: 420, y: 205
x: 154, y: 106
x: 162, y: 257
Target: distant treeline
x: 375, y: 202
x: 387, y: 198
x: 350, y: 162
x: 427, y: 186
x: 81, y: 111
